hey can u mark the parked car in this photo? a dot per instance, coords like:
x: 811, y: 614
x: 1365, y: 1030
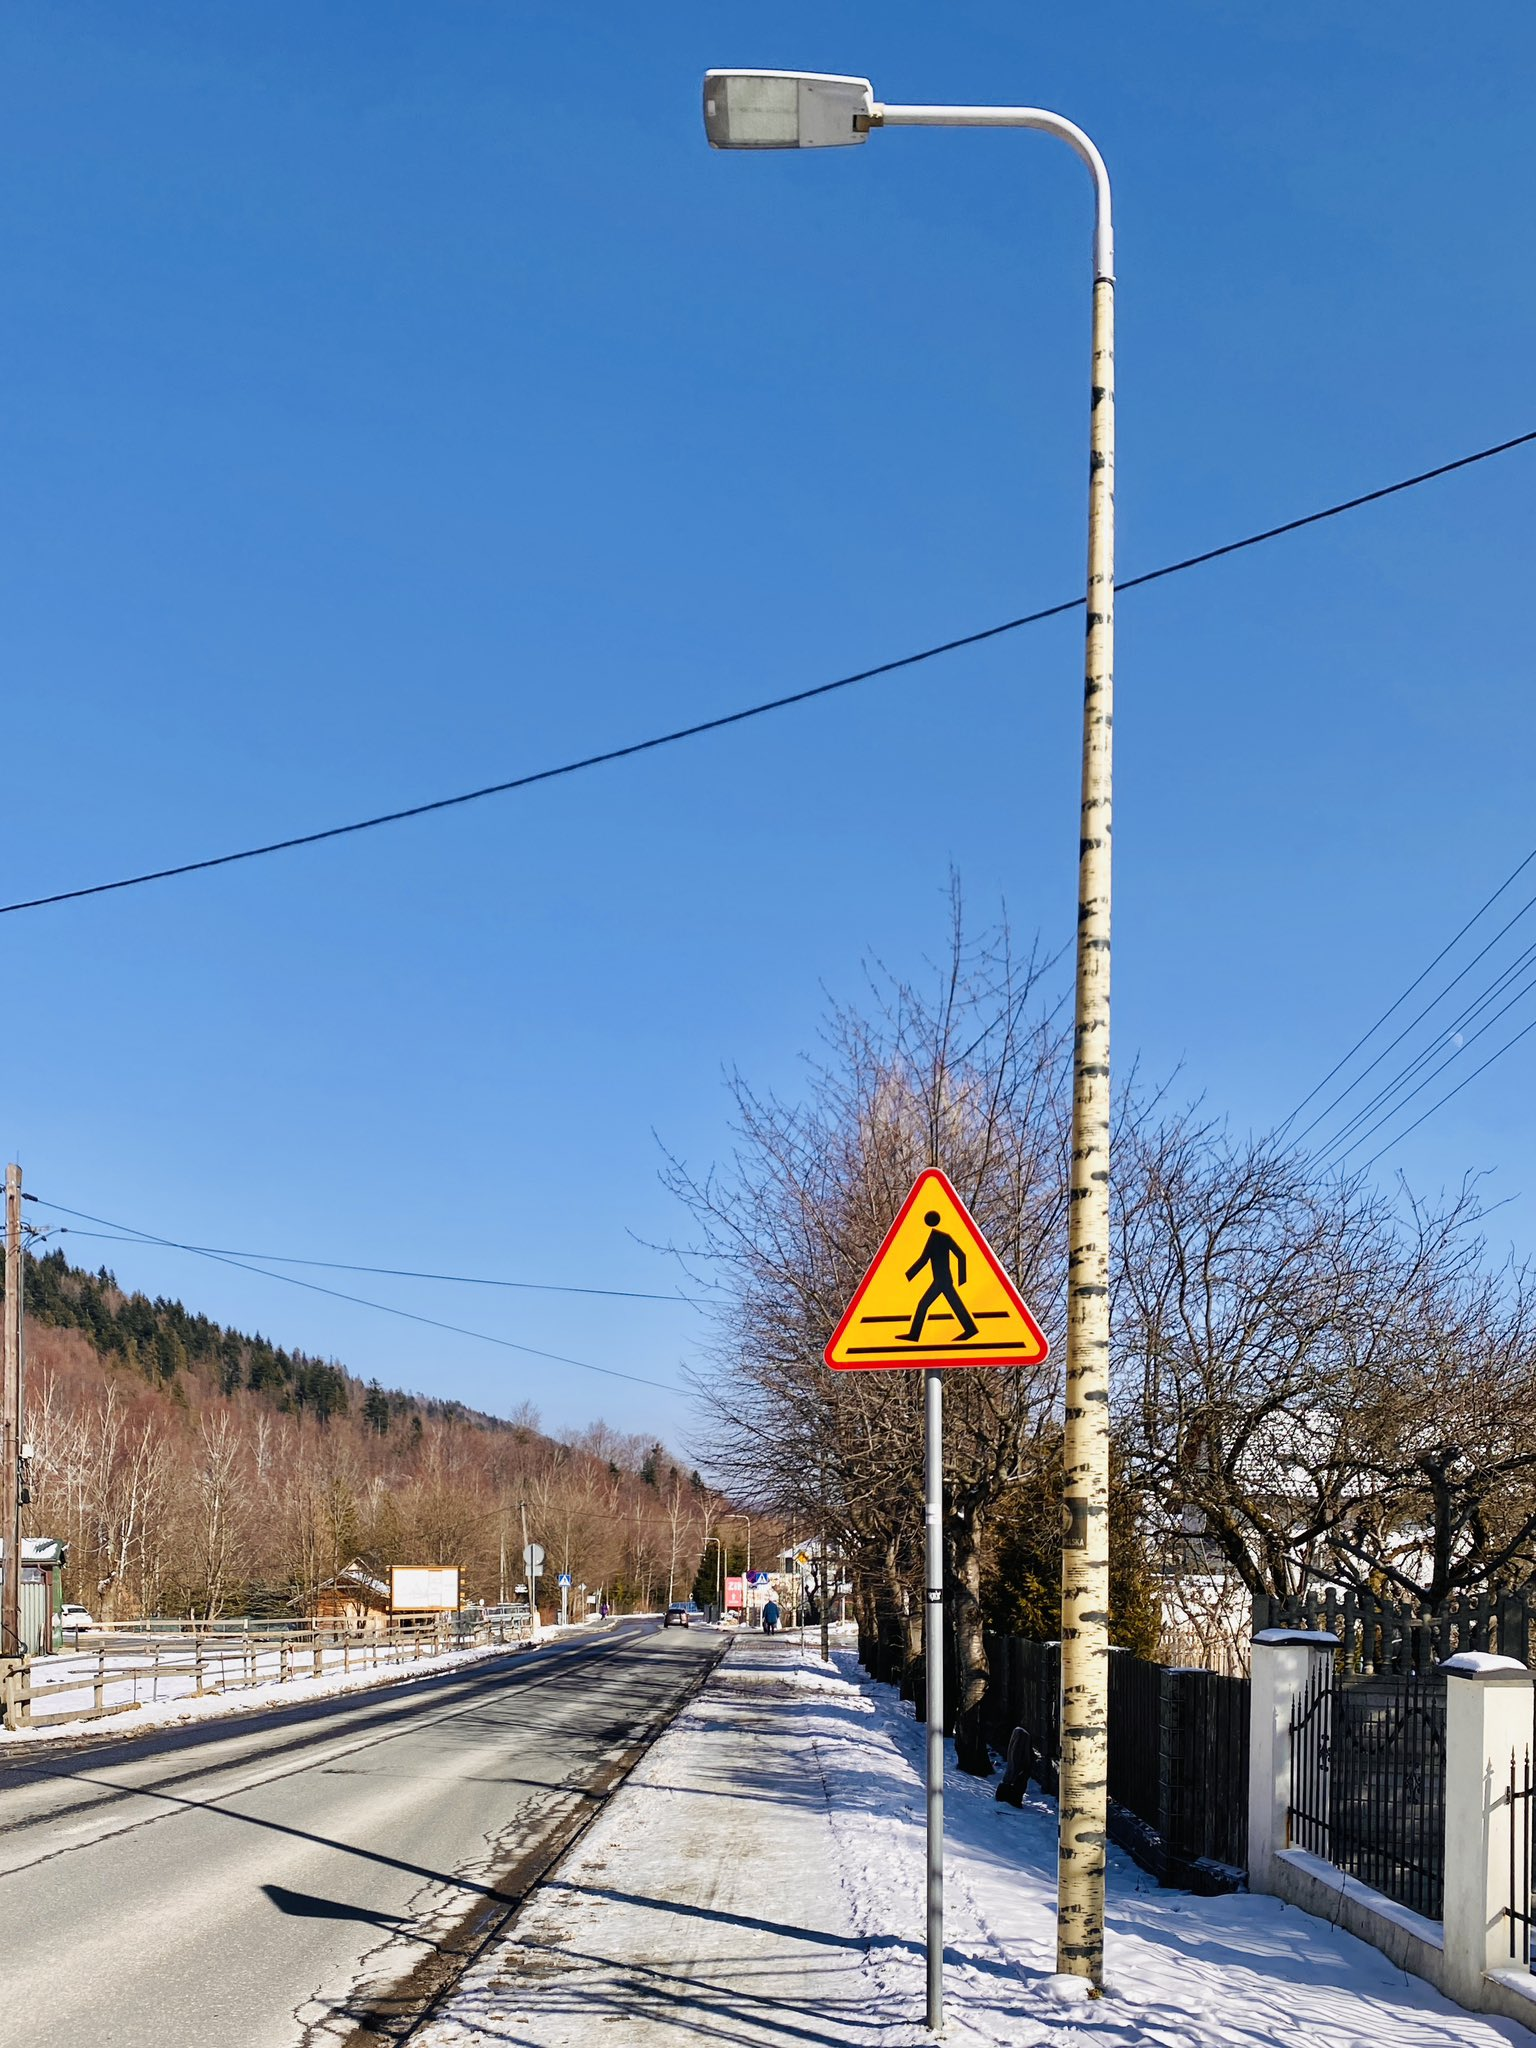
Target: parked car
x: 678, y: 1615
x: 73, y: 1618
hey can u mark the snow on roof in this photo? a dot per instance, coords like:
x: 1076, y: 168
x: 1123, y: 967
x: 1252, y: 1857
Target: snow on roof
x: 38, y: 1550
x: 357, y: 1576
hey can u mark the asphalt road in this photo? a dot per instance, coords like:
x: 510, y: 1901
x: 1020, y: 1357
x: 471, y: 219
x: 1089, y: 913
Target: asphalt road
x: 311, y: 1875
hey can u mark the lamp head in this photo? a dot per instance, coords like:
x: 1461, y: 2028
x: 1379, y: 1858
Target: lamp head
x: 785, y: 109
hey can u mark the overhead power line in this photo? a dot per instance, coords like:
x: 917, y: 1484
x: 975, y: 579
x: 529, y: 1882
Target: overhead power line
x: 1524, y: 1032
x: 1380, y: 1109
x: 217, y: 1251
x: 729, y: 718
x: 1417, y: 982
x: 135, y: 1235
x: 1442, y: 1031
x: 1352, y: 1136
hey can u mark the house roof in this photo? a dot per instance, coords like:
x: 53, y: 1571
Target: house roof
x: 40, y: 1550
x: 358, y: 1578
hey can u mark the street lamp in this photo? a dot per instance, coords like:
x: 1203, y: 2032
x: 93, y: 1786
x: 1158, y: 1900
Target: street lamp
x: 746, y: 1586
x: 809, y: 110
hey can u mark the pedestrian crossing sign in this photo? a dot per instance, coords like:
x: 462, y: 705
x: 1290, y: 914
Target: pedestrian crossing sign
x: 934, y: 1295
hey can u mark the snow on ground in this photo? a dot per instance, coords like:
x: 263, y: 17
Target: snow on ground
x: 759, y: 1880
x: 178, y: 1703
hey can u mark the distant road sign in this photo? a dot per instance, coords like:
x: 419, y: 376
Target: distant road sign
x: 564, y: 1579
x: 533, y: 1556
x: 935, y: 1295
x: 757, y: 1578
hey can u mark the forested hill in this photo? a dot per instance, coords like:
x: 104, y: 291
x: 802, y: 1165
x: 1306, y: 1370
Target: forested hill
x: 168, y: 1345
x: 191, y: 1468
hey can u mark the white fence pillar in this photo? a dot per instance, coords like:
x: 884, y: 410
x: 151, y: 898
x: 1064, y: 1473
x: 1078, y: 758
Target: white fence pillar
x: 1488, y: 1708
x: 1283, y: 1663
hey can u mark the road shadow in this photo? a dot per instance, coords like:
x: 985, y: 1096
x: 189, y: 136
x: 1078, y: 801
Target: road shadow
x: 308, y: 1906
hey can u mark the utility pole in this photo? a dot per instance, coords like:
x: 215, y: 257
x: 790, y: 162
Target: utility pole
x: 826, y: 1577
x: 814, y: 110
x: 10, y: 1437
x: 529, y: 1566
x: 1083, y: 1795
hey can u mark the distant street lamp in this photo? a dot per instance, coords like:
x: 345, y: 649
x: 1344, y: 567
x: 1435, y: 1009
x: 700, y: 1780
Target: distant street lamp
x: 746, y: 1584
x: 809, y: 110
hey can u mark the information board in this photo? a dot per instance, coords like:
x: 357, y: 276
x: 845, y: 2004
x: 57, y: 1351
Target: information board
x: 423, y: 1588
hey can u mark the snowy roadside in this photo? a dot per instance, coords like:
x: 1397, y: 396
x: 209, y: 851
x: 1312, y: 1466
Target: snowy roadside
x: 135, y: 1718
x: 1181, y: 1972
x: 759, y: 1878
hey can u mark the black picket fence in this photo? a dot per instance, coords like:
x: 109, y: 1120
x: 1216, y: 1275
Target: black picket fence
x: 1394, y: 1637
x: 1178, y: 1754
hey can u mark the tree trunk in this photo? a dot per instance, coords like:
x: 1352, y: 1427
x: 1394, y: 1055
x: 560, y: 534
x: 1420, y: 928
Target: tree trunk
x: 868, y: 1624
x: 914, y: 1684
x: 890, y: 1612
x: 968, y: 1634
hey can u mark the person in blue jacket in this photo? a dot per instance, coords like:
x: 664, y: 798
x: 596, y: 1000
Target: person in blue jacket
x: 770, y: 1617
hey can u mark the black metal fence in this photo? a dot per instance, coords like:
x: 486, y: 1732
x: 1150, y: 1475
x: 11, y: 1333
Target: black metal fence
x: 1368, y: 1782
x: 1024, y: 1691
x: 1178, y: 1754
x: 1135, y: 1736
x: 1518, y: 1911
x: 1393, y: 1636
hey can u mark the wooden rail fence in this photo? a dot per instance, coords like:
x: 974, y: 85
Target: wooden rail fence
x: 217, y: 1662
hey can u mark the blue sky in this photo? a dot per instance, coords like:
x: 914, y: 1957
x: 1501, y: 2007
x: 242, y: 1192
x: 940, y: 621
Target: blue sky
x: 400, y: 397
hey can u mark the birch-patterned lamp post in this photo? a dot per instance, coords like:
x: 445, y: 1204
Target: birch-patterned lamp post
x: 808, y: 110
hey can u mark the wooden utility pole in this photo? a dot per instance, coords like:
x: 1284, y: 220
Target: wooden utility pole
x: 10, y: 1436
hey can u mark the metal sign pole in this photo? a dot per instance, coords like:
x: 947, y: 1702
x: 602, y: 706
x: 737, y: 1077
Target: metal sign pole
x: 933, y: 1657
x: 934, y: 1231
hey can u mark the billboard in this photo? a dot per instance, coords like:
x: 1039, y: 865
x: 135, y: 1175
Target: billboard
x: 423, y: 1588
x: 735, y: 1591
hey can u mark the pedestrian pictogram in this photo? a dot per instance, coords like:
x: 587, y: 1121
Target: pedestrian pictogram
x: 935, y: 1295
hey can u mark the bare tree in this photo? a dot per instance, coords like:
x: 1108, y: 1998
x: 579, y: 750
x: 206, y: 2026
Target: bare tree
x: 1317, y: 1381
x: 219, y: 1494
x: 972, y: 1074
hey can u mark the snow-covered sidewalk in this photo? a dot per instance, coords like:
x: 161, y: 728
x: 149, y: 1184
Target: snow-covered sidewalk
x: 759, y: 1880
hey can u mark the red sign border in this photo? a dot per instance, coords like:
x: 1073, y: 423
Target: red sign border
x: 943, y: 1361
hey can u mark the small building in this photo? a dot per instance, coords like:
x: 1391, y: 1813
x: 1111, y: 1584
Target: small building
x: 357, y: 1598
x: 43, y: 1559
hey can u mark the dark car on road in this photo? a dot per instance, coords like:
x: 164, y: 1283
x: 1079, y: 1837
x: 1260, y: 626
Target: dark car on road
x: 679, y: 1614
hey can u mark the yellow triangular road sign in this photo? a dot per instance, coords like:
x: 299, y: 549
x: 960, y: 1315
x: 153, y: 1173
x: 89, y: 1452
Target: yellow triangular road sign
x: 935, y: 1295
